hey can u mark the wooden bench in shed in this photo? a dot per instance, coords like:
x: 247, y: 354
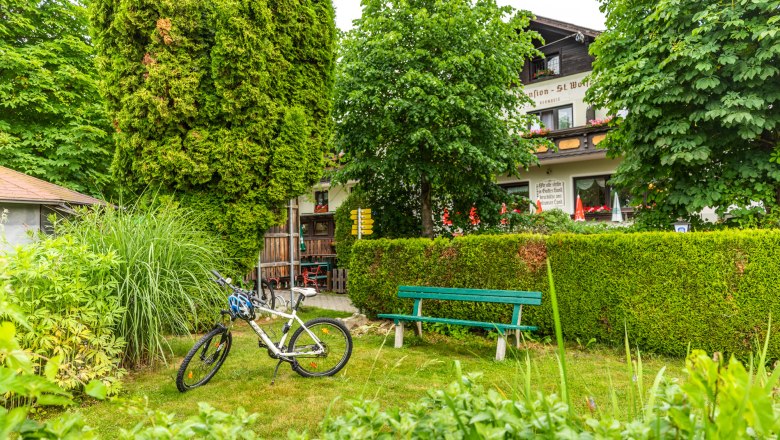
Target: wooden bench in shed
x: 518, y: 298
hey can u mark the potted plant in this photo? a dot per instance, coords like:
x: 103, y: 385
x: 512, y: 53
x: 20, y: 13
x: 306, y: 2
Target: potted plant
x: 600, y: 122
x: 537, y: 132
x: 544, y: 73
x: 602, y: 212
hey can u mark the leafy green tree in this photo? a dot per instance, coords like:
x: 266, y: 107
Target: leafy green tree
x: 428, y: 100
x: 701, y: 83
x: 52, y: 122
x: 224, y: 103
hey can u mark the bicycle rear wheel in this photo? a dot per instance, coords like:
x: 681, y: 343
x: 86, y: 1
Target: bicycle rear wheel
x: 333, y: 335
x: 204, y: 359
x: 267, y: 295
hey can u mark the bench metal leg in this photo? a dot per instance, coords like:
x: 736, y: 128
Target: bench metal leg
x: 501, y: 347
x: 399, y: 334
x: 517, y: 338
x: 418, y: 304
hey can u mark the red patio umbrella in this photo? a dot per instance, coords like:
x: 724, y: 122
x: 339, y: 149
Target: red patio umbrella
x: 445, y: 219
x: 538, y: 206
x: 579, y: 212
x: 473, y: 217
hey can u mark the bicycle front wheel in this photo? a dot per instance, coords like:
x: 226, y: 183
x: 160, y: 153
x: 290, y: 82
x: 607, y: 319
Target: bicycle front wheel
x: 204, y: 359
x: 334, y: 337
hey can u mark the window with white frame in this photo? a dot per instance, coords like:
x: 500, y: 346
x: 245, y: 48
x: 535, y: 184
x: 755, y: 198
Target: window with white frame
x: 558, y: 118
x: 598, y: 195
x: 520, y: 193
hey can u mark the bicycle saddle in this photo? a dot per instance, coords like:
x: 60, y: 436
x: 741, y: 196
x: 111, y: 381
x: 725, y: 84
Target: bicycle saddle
x: 305, y: 291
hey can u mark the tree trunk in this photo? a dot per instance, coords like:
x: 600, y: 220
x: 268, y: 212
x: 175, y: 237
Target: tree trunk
x: 426, y: 210
x: 777, y: 195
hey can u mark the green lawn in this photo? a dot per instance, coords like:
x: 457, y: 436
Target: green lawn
x: 375, y: 371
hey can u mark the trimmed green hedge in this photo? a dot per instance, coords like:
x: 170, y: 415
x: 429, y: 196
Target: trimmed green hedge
x: 713, y: 290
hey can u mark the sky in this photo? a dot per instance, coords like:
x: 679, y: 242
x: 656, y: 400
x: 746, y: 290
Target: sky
x: 581, y: 12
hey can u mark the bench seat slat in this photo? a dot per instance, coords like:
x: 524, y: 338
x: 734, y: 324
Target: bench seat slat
x: 397, y: 318
x: 404, y: 290
x: 474, y: 298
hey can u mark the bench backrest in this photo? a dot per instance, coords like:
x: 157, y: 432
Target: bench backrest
x: 478, y: 295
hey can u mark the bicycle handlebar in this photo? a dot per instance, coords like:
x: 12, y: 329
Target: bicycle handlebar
x: 222, y: 281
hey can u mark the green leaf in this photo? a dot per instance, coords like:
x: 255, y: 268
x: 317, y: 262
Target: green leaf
x: 96, y: 389
x: 52, y: 367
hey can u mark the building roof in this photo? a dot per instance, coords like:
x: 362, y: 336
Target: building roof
x: 562, y: 25
x: 16, y: 187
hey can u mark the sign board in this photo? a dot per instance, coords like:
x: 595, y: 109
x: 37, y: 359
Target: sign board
x: 681, y: 226
x: 560, y: 91
x: 550, y: 192
x: 363, y: 223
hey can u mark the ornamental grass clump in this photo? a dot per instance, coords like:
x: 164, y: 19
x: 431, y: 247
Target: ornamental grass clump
x: 162, y: 279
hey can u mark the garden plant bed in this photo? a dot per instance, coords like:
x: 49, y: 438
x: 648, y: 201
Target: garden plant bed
x: 375, y: 371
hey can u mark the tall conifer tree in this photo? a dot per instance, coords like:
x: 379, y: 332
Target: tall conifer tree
x: 224, y: 103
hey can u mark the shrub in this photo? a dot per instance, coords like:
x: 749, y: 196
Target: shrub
x: 343, y: 235
x: 224, y: 104
x: 23, y: 390
x: 26, y: 382
x: 162, y: 280
x: 711, y: 403
x: 713, y: 290
x: 69, y: 298
x: 208, y: 424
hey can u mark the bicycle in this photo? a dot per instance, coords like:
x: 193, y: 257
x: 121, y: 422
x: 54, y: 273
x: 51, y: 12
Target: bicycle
x: 268, y: 295
x: 311, y: 347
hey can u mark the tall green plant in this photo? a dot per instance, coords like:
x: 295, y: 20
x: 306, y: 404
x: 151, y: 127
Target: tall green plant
x: 700, y: 82
x: 162, y: 279
x: 428, y: 103
x: 343, y: 236
x: 223, y: 103
x: 52, y: 121
x: 68, y: 295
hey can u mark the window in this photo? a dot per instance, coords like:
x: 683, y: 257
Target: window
x: 558, y: 118
x: 545, y: 67
x: 520, y: 195
x: 596, y: 194
x: 320, y: 201
x: 321, y: 228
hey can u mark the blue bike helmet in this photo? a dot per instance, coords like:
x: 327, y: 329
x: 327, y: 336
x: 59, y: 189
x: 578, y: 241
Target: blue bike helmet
x: 241, y: 306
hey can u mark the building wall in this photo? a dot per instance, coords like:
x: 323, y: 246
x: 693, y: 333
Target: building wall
x: 561, y: 91
x: 563, y: 174
x: 574, y: 57
x: 21, y: 218
x: 336, y: 196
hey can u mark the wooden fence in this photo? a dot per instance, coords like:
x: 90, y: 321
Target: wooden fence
x: 339, y: 280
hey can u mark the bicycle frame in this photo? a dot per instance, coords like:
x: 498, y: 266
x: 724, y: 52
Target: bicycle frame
x: 274, y: 347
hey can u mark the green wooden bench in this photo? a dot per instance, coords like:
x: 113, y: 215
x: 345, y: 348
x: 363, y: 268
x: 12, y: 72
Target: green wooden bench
x: 518, y: 298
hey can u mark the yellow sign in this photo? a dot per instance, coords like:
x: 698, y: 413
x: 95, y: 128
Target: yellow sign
x: 365, y: 221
